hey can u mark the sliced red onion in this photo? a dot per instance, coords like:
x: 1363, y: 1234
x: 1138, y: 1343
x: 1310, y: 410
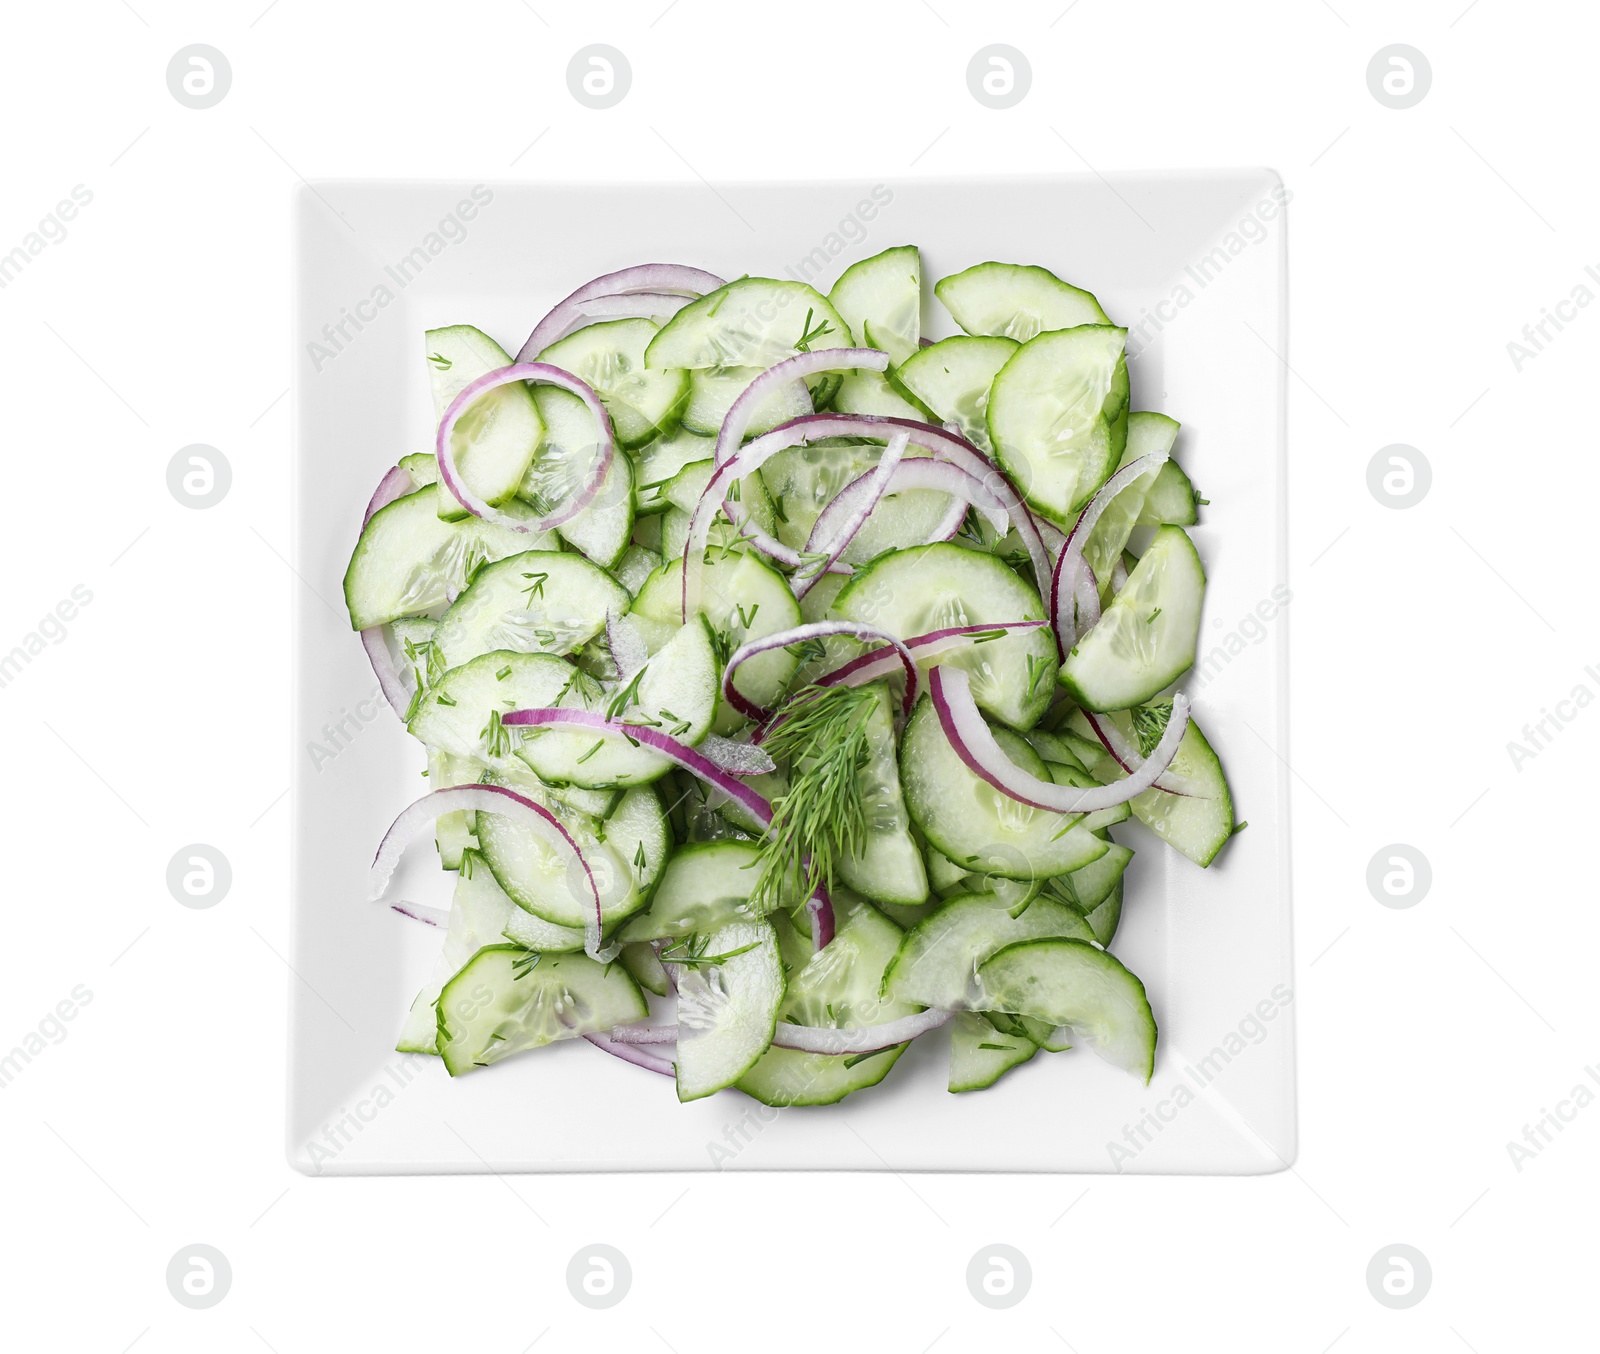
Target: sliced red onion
x: 638, y: 305
x: 1127, y: 756
x: 734, y: 423
x: 396, y: 484
x: 802, y: 634
x: 653, y: 277
x: 628, y: 649
x: 537, y: 373
x: 876, y: 663
x: 376, y: 643
x: 631, y: 1053
x: 832, y: 539
x: 432, y: 916
x: 1076, y: 611
x: 862, y: 1039
x: 975, y: 744
x: 737, y: 759
x: 854, y: 503
x: 487, y: 799
x: 1064, y: 578
x: 820, y: 905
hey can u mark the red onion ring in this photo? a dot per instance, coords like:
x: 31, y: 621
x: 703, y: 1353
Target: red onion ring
x: 656, y: 277
x: 975, y: 744
x: 397, y: 483
x: 630, y: 1053
x: 731, y: 435
x: 870, y: 666
x: 488, y: 799
x: 834, y: 539
x: 1064, y: 579
x: 431, y: 916
x: 538, y: 373
x: 801, y: 634
x: 820, y: 905
x: 377, y: 647
x: 1125, y: 755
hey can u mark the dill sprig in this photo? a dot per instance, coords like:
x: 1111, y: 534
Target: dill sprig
x: 1150, y: 723
x: 821, y: 732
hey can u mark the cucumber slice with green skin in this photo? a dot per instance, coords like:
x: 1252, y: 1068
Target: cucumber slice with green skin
x: 610, y: 357
x: 508, y: 1000
x: 889, y: 866
x: 1109, y: 537
x: 1145, y: 638
x: 1103, y: 920
x: 1058, y: 416
x: 1079, y: 778
x: 951, y: 880
x: 642, y: 962
x: 1050, y: 1038
x: 636, y: 565
x: 880, y: 298
x: 744, y: 598
x: 1072, y: 983
x: 409, y: 560
x: 496, y: 438
x: 541, y: 601
x: 676, y: 692
x: 1087, y: 888
x: 953, y: 378
x: 566, y: 453
x: 458, y: 714
x: 980, y: 1055
x: 753, y: 322
x: 704, y: 888
x: 976, y: 825
x: 452, y: 832
x: 534, y: 933
x: 1015, y: 300
x: 1198, y: 823
x: 727, y: 1011
x: 712, y: 391
x: 937, y: 963
x: 658, y: 461
x: 1171, y: 499
x: 625, y: 864
x: 478, y: 913
x: 931, y: 587
x: 839, y: 988
x: 685, y: 489
x: 874, y: 392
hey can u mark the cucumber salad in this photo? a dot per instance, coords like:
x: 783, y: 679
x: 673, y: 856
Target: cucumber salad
x: 783, y: 676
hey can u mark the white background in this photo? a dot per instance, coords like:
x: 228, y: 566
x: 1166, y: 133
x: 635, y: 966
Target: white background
x: 1421, y: 242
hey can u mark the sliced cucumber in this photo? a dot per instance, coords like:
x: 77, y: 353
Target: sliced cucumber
x: 953, y: 378
x: 931, y: 587
x: 937, y: 963
x: 625, y: 854
x: 1145, y: 639
x: 610, y: 357
x: 704, y: 888
x: 1058, y: 416
x: 452, y: 832
x: 409, y: 560
x: 460, y: 713
x: 1171, y: 500
x: 535, y: 933
x: 642, y: 961
x: 875, y: 393
x: 744, y: 598
x: 1199, y: 822
x: 636, y: 565
x: 976, y: 825
x: 675, y: 691
x: 1103, y: 920
x: 980, y: 1055
x: 1015, y: 300
x: 541, y: 601
x: 495, y: 439
x: 1089, y: 887
x: 833, y: 988
x: 565, y: 455
x: 712, y: 391
x: 889, y: 866
x: 478, y: 913
x: 753, y: 322
x: 1076, y: 776
x: 728, y: 1004
x: 1146, y: 433
x: 1072, y: 983
x: 657, y: 462
x: 880, y: 298
x: 507, y: 1000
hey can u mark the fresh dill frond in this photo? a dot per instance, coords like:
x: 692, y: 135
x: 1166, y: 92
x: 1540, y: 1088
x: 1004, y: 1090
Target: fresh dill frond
x: 808, y: 333
x: 1149, y: 723
x: 821, y: 732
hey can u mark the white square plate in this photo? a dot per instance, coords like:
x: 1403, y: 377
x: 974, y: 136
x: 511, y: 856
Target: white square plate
x: 1195, y: 265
